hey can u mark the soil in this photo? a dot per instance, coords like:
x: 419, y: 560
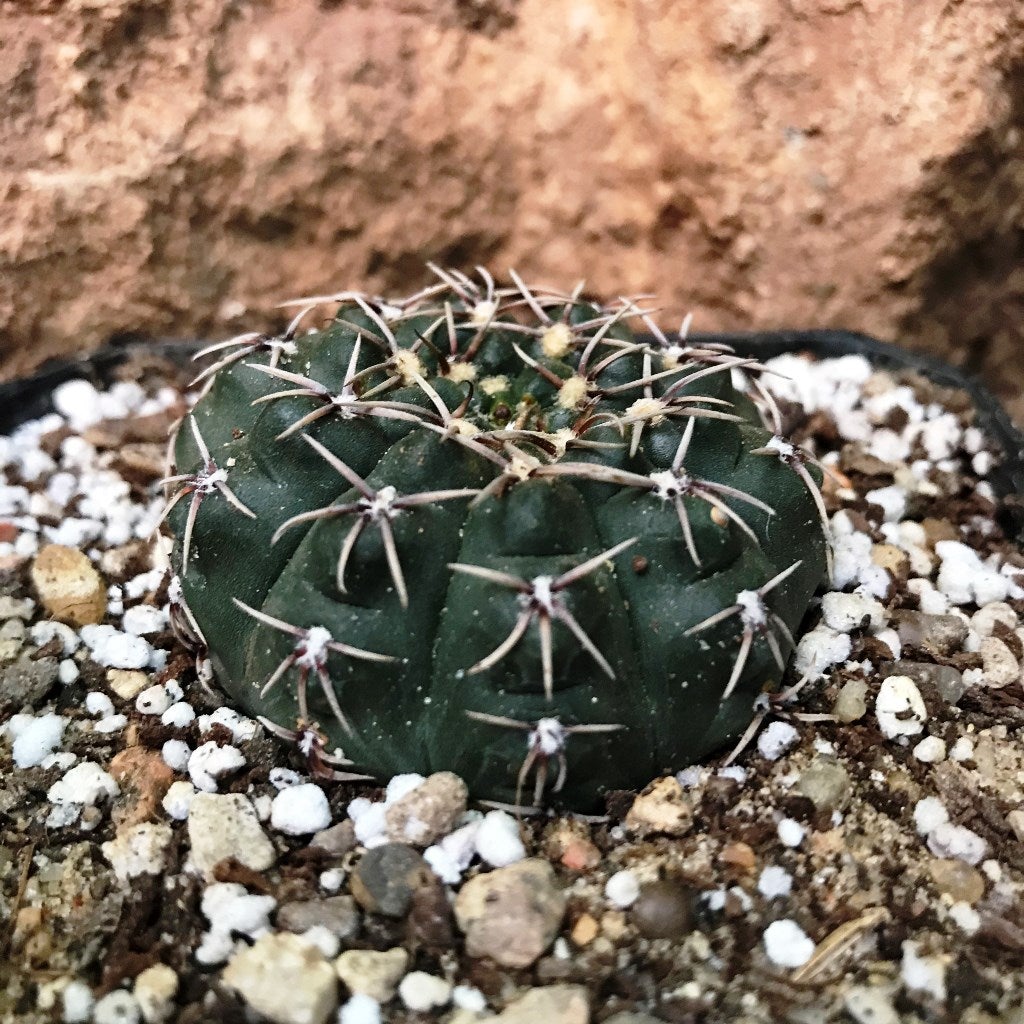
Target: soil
x: 823, y: 831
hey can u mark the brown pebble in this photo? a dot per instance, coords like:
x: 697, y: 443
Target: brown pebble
x: 69, y: 586
x: 144, y: 779
x: 957, y: 879
x: 585, y: 931
x: 738, y: 855
x: 663, y: 910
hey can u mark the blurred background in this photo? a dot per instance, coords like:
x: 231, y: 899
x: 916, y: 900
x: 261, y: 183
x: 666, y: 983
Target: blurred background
x: 175, y: 168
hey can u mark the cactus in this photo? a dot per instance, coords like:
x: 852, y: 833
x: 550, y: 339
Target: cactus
x: 492, y: 531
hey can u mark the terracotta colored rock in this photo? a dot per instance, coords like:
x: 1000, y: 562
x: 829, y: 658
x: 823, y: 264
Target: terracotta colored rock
x: 144, y: 779
x: 69, y: 586
x: 739, y: 174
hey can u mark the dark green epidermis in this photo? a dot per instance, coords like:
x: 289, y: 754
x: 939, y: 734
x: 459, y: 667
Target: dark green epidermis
x: 409, y: 714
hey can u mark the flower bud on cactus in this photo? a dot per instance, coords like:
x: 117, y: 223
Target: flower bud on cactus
x: 489, y: 530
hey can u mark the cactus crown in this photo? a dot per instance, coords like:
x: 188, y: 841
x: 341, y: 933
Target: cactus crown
x: 487, y: 529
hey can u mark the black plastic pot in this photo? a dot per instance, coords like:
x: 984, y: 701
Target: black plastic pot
x: 29, y: 398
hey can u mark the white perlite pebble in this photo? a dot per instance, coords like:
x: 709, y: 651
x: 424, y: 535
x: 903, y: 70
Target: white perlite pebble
x: 622, y: 889
x: 178, y: 716
x: 114, y: 649
x: 300, y: 810
x: 99, y: 704
x: 819, y: 649
x: 178, y: 799
x: 176, y: 754
x: 242, y: 729
x: 846, y: 612
x: 929, y: 813
x: 965, y: 917
x: 37, y: 740
x: 67, y: 672
x: 787, y: 944
x: 962, y: 750
x: 776, y: 739
x: 154, y: 700
x: 466, y: 997
x: 923, y: 973
x: 144, y: 619
x: 43, y: 632
x: 498, y: 840
x: 117, y: 1007
x: 209, y: 762
x: 77, y: 1001
x: 930, y: 750
x: 892, y: 500
x: 422, y: 992
x: 111, y: 723
x: 360, y: 1009
x: 899, y: 707
x: 774, y: 882
x: 231, y: 910
x: 955, y: 841
x: 964, y: 577
x: 86, y: 784
x: 791, y: 833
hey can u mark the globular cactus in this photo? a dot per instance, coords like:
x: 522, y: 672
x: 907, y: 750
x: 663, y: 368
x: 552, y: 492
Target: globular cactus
x: 489, y: 530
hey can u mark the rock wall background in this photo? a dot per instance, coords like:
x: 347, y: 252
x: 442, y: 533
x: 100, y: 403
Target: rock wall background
x: 174, y: 167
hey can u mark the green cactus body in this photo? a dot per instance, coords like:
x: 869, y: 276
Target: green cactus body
x: 542, y: 435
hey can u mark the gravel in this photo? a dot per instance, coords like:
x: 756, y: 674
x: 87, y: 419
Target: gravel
x: 162, y: 858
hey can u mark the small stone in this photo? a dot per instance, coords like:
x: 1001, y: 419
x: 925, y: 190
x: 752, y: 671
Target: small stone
x: 984, y: 620
x: 868, y: 1004
x: 127, y: 683
x: 585, y: 930
x: 957, y: 879
x: 430, y: 923
x: 422, y: 992
x: 138, y: 850
x: 999, y: 665
x: 663, y: 910
x: 144, y: 778
x: 511, y: 914
x: 948, y: 681
x: 553, y: 1004
x: 429, y: 811
x: 338, y: 914
x: 1015, y: 819
x: 284, y: 978
x: 738, y: 855
x: 223, y: 825
x: 26, y: 682
x: 826, y: 784
x: 662, y: 807
x: 937, y: 634
x: 899, y: 707
x: 367, y: 972
x: 894, y: 560
x: 851, y: 705
x: 69, y: 586
x: 386, y: 878
x: 568, y: 842
x: 337, y: 840
x: 155, y: 989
